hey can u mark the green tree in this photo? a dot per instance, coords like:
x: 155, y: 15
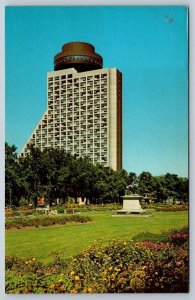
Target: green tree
x: 13, y: 180
x: 183, y: 192
x: 145, y: 183
x: 160, y: 190
x: 34, y: 174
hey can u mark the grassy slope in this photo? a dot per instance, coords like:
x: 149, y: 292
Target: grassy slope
x: 70, y: 239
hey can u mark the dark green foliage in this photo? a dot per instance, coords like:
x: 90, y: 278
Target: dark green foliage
x: 152, y: 237
x: 14, y: 185
x: 60, y: 210
x: 53, y: 173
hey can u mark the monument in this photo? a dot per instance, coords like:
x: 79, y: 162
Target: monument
x: 131, y: 203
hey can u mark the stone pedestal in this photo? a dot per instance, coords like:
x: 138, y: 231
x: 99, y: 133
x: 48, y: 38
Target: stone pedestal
x: 131, y: 204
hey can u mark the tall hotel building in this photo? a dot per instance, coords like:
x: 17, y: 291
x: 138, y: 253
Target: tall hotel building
x: 84, y: 108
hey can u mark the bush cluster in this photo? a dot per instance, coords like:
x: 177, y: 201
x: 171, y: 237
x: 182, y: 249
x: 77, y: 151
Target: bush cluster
x: 88, y: 208
x: 123, y: 267
x: 21, y: 212
x: 172, y: 208
x: 177, y: 237
x: 153, y: 237
x: 45, y: 221
x: 165, y: 207
x: 30, y: 276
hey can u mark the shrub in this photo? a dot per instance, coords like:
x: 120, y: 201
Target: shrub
x: 32, y: 283
x: 165, y: 207
x: 22, y: 201
x: 30, y: 276
x: 12, y: 213
x: 45, y: 221
x: 94, y: 207
x: 60, y: 210
x: 178, y: 237
x: 173, y: 208
x: 21, y: 266
x: 153, y: 237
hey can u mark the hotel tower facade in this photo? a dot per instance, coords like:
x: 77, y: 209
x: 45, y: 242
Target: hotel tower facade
x: 84, y: 108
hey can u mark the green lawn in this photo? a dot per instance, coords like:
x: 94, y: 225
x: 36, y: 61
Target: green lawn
x: 42, y: 243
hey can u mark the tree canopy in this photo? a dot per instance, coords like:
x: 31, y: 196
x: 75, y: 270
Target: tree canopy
x: 53, y: 173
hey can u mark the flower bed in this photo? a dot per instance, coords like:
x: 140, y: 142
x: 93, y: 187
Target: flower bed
x: 123, y: 267
x: 120, y: 267
x: 45, y: 221
x: 165, y: 207
x: 93, y: 207
x: 172, y: 208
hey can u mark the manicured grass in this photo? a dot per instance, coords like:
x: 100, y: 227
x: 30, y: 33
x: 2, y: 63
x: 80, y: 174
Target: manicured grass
x: 70, y: 239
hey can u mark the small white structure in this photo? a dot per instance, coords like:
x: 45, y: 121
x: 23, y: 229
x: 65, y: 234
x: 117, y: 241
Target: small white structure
x: 131, y: 204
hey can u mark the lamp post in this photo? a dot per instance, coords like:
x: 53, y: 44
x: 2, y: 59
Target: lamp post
x: 10, y: 197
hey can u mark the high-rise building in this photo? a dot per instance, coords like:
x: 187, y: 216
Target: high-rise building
x: 84, y: 107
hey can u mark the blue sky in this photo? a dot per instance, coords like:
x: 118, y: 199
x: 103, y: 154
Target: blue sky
x: 147, y: 44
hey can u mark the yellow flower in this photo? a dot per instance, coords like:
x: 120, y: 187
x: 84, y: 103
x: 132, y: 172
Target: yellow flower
x: 77, y: 278
x: 72, y: 273
x: 113, y: 277
x: 125, y: 243
x: 26, y: 262
x: 89, y: 290
x: 117, y: 269
x: 52, y: 286
x: 73, y: 291
x: 33, y: 259
x: 61, y: 274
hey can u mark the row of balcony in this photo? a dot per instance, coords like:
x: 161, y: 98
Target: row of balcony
x: 93, y: 99
x: 71, y: 78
